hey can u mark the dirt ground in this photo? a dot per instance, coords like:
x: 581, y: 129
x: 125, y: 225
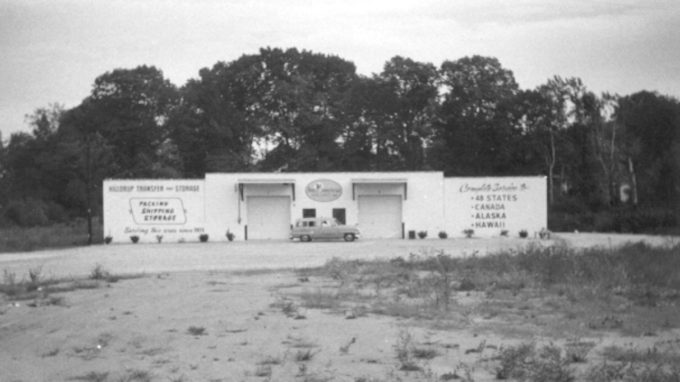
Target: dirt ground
x: 240, y: 255
x: 204, y: 312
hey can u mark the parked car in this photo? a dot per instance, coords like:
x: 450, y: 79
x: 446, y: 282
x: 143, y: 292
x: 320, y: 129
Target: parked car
x: 308, y: 229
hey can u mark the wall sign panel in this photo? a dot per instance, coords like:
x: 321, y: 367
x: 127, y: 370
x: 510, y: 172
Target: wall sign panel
x: 154, y: 210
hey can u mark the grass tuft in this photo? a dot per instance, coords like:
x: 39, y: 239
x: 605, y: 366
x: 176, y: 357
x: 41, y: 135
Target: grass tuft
x: 197, y: 331
x: 92, y: 376
x: 524, y: 362
x: 304, y: 355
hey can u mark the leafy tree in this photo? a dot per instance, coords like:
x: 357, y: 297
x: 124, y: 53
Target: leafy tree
x: 412, y: 98
x: 129, y: 108
x: 45, y: 120
x: 367, y: 146
x: 651, y: 129
x: 475, y: 126
x: 287, y: 102
x: 3, y: 173
x: 85, y: 157
x: 573, y: 129
x: 300, y: 109
x: 210, y: 125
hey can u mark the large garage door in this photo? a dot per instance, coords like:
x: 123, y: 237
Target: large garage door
x: 380, y: 216
x: 268, y: 217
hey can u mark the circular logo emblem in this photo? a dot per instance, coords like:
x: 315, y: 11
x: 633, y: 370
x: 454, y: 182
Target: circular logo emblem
x: 323, y: 190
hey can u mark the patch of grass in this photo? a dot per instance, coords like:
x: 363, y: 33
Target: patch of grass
x: 614, y: 372
x: 645, y: 356
x: 136, y: 376
x: 605, y: 372
x: 320, y: 299
x: 47, y: 301
x: 35, y: 276
x: 72, y: 234
x: 344, y: 349
x: 304, y: 355
x: 580, y: 284
x: 92, y: 376
x: 299, y: 343
x: 197, y: 331
x: 99, y: 273
x: 525, y: 363
x: 9, y: 285
x: 50, y: 353
x: 270, y: 360
x: 404, y: 352
x: 263, y: 371
x: 424, y: 353
x: 318, y: 378
x: 577, y: 351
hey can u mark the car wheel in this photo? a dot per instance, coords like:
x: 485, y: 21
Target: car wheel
x: 349, y: 237
x: 305, y: 238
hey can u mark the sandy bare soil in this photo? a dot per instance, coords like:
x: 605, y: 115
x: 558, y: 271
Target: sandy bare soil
x: 217, y: 326
x: 192, y: 317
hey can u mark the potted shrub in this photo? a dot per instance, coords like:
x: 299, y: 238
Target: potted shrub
x: 422, y: 234
x: 504, y: 233
x: 469, y: 232
x: 230, y: 236
x: 443, y: 235
x: 203, y: 237
x: 523, y: 234
x: 134, y: 238
x: 159, y: 238
x: 108, y: 239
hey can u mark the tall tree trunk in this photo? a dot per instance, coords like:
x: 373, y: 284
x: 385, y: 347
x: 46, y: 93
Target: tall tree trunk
x: 88, y: 170
x: 633, y: 179
x: 551, y: 169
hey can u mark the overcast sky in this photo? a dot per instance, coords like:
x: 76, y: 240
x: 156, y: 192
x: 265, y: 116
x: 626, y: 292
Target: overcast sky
x: 52, y: 50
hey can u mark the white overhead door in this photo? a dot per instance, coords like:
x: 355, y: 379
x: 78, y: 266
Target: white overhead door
x: 268, y: 217
x: 380, y: 216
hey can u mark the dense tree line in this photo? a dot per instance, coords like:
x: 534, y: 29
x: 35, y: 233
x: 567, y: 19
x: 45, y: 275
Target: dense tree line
x: 291, y: 110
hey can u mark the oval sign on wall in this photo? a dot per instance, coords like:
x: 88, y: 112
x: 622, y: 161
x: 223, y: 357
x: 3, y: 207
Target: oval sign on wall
x: 323, y: 190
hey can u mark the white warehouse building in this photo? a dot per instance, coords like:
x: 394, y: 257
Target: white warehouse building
x: 264, y: 206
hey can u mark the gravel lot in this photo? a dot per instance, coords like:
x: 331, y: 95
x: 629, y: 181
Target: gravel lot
x: 156, y: 258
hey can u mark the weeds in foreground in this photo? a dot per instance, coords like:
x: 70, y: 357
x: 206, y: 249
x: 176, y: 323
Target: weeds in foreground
x: 35, y: 275
x: 427, y: 285
x: 626, y: 372
x: 9, y: 285
x: 128, y: 376
x: 404, y: 352
x: 263, y: 371
x: 304, y: 355
x: 92, y: 376
x: 606, y: 372
x: 577, y: 351
x: 524, y: 362
x: 36, y: 288
x: 344, y: 349
x: 197, y: 331
x: 136, y: 376
x: 270, y: 360
x: 99, y: 273
x: 631, y: 355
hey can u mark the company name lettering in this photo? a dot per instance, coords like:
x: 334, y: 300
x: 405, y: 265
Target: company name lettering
x: 156, y: 188
x: 496, y: 187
